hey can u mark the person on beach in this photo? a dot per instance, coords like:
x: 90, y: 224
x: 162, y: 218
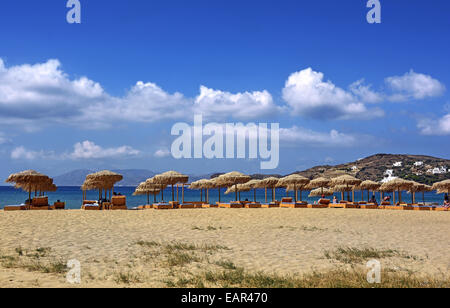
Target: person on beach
x: 374, y: 200
x: 446, y: 201
x: 335, y: 201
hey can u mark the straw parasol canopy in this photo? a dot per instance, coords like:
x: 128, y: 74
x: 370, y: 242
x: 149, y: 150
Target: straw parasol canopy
x: 254, y: 184
x: 232, y: 178
x: 443, y: 186
x: 417, y: 187
x: 270, y: 182
x: 348, y: 181
x: 295, y: 180
x: 238, y: 189
x: 102, y: 180
x: 320, y: 182
x: 203, y: 184
x: 369, y: 186
x: 147, y: 188
x: 321, y: 192
x: 30, y: 180
x: 397, y: 185
x: 171, y: 178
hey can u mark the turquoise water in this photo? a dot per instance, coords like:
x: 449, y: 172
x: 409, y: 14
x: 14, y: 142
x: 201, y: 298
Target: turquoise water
x: 73, y: 196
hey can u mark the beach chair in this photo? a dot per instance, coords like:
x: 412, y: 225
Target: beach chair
x: 59, y: 205
x: 162, y: 206
x: 39, y: 204
x: 14, y: 208
x: 118, y: 203
x: 253, y: 205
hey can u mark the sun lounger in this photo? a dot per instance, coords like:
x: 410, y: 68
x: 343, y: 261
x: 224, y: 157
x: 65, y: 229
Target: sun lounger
x: 118, y: 203
x: 59, y: 205
x: 253, y: 205
x: 269, y: 205
x: 337, y: 205
x: 441, y: 209
x: 13, y: 208
x: 352, y: 206
x: 91, y: 207
x: 232, y: 205
x: 317, y: 206
x: 186, y: 206
x: 369, y: 206
x: 162, y: 206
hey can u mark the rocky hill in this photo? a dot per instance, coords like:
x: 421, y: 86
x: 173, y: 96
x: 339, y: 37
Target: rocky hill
x: 423, y: 169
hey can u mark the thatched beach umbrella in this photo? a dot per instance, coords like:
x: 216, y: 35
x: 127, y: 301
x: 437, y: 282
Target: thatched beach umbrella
x: 203, y: 184
x: 232, y: 178
x: 171, y: 178
x: 238, y: 189
x: 342, y: 189
x: 147, y: 188
x: 103, y: 181
x: 320, y: 183
x: 270, y: 182
x: 369, y: 186
x: 442, y: 186
x: 417, y: 187
x: 254, y: 184
x: 29, y: 181
x: 346, y: 180
x: 321, y: 192
x: 397, y: 185
x: 296, y: 180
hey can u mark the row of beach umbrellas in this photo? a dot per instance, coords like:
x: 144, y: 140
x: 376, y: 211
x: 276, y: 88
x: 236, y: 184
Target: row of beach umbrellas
x: 236, y: 182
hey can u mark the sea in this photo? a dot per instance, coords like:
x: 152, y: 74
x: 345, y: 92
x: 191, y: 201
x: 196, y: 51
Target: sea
x: 73, y: 196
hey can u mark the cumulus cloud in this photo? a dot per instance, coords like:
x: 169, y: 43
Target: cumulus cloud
x: 365, y: 93
x: 439, y: 127
x: 42, y: 93
x: 308, y: 94
x: 303, y: 136
x: 21, y: 153
x: 413, y: 85
x: 81, y: 150
x: 162, y: 153
x: 248, y: 105
x: 89, y: 150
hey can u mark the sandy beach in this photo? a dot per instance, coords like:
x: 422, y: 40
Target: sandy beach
x: 155, y: 248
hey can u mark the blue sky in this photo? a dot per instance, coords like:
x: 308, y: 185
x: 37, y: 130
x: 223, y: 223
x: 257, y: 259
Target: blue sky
x: 340, y: 88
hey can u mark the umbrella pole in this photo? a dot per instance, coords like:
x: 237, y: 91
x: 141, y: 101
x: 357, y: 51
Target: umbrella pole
x: 266, y: 194
x: 148, y: 198
x: 254, y: 194
x: 173, y: 195
x: 239, y: 196
x: 201, y: 194
x: 274, y: 194
x: 301, y: 198
x: 235, y: 191
x: 400, y: 196
x: 207, y: 196
x: 295, y: 188
x: 394, y: 197
x: 162, y: 193
x: 423, y: 197
x: 182, y: 193
x: 154, y: 198
x: 178, y: 194
x: 219, y: 194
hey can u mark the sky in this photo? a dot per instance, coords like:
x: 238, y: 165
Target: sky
x: 106, y: 93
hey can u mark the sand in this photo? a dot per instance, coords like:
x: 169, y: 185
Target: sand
x: 281, y: 241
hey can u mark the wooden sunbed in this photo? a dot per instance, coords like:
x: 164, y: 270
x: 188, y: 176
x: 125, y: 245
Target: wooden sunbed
x: 13, y: 208
x: 317, y: 206
x: 187, y: 206
x: 441, y: 209
x: 162, y: 206
x: 59, y: 205
x: 91, y: 207
x: 233, y: 205
x: 253, y: 205
x: 399, y: 208
x: 269, y: 205
x: 118, y: 203
x: 337, y: 206
x: 369, y: 206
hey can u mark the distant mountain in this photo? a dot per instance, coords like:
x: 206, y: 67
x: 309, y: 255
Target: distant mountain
x: 419, y: 168
x: 423, y: 169
x: 131, y: 177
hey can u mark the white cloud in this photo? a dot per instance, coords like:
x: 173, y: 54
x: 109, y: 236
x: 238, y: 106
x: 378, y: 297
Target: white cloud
x: 302, y: 136
x: 439, y: 127
x: 414, y: 86
x: 218, y: 104
x: 21, y: 153
x: 162, y: 153
x: 89, y: 150
x: 40, y: 94
x: 308, y: 94
x: 365, y: 92
x: 82, y: 150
